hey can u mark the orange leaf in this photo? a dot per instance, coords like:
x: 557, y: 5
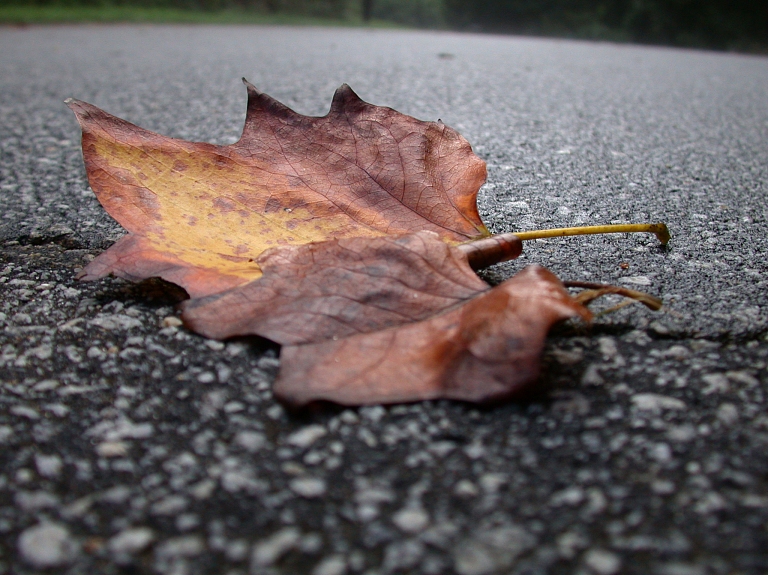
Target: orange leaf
x: 199, y: 215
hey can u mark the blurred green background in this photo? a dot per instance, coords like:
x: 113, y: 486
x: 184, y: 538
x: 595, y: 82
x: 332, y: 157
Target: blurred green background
x: 740, y: 25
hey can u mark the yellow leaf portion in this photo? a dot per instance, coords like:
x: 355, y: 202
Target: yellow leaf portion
x: 210, y: 209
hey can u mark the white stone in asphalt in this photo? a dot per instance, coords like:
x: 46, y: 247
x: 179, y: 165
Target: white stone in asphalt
x: 47, y: 545
x: 131, y: 540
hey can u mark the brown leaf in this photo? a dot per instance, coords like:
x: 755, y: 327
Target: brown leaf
x: 303, y: 232
x: 199, y: 215
x: 484, y: 350
x: 342, y: 287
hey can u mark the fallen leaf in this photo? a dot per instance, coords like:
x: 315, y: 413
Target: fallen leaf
x: 350, y: 238
x: 338, y: 288
x: 199, y: 215
x: 485, y: 350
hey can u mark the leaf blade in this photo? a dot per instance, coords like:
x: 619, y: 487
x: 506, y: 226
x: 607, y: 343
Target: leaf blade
x: 290, y: 179
x: 482, y: 351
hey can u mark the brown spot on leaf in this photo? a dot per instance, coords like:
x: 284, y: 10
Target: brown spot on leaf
x: 273, y: 205
x: 230, y: 258
x: 224, y: 205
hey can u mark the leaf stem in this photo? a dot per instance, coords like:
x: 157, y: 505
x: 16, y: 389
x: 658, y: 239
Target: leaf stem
x: 659, y: 230
x: 485, y: 252
x: 592, y: 291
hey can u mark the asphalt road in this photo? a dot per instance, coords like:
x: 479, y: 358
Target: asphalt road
x: 128, y: 445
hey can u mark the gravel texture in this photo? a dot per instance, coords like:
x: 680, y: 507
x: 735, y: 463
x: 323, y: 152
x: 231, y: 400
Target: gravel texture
x: 129, y: 445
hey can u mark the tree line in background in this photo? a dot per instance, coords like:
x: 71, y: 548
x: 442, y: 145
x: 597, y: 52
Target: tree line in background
x: 719, y: 24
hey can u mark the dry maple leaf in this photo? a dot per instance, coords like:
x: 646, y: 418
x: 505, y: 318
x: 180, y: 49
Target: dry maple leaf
x: 198, y: 215
x: 302, y: 232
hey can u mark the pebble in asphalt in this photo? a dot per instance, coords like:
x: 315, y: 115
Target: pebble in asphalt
x: 129, y: 445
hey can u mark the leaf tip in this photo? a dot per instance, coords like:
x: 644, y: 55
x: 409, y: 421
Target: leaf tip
x: 84, y: 112
x: 250, y: 87
x: 74, y: 105
x: 262, y: 105
x: 344, y: 99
